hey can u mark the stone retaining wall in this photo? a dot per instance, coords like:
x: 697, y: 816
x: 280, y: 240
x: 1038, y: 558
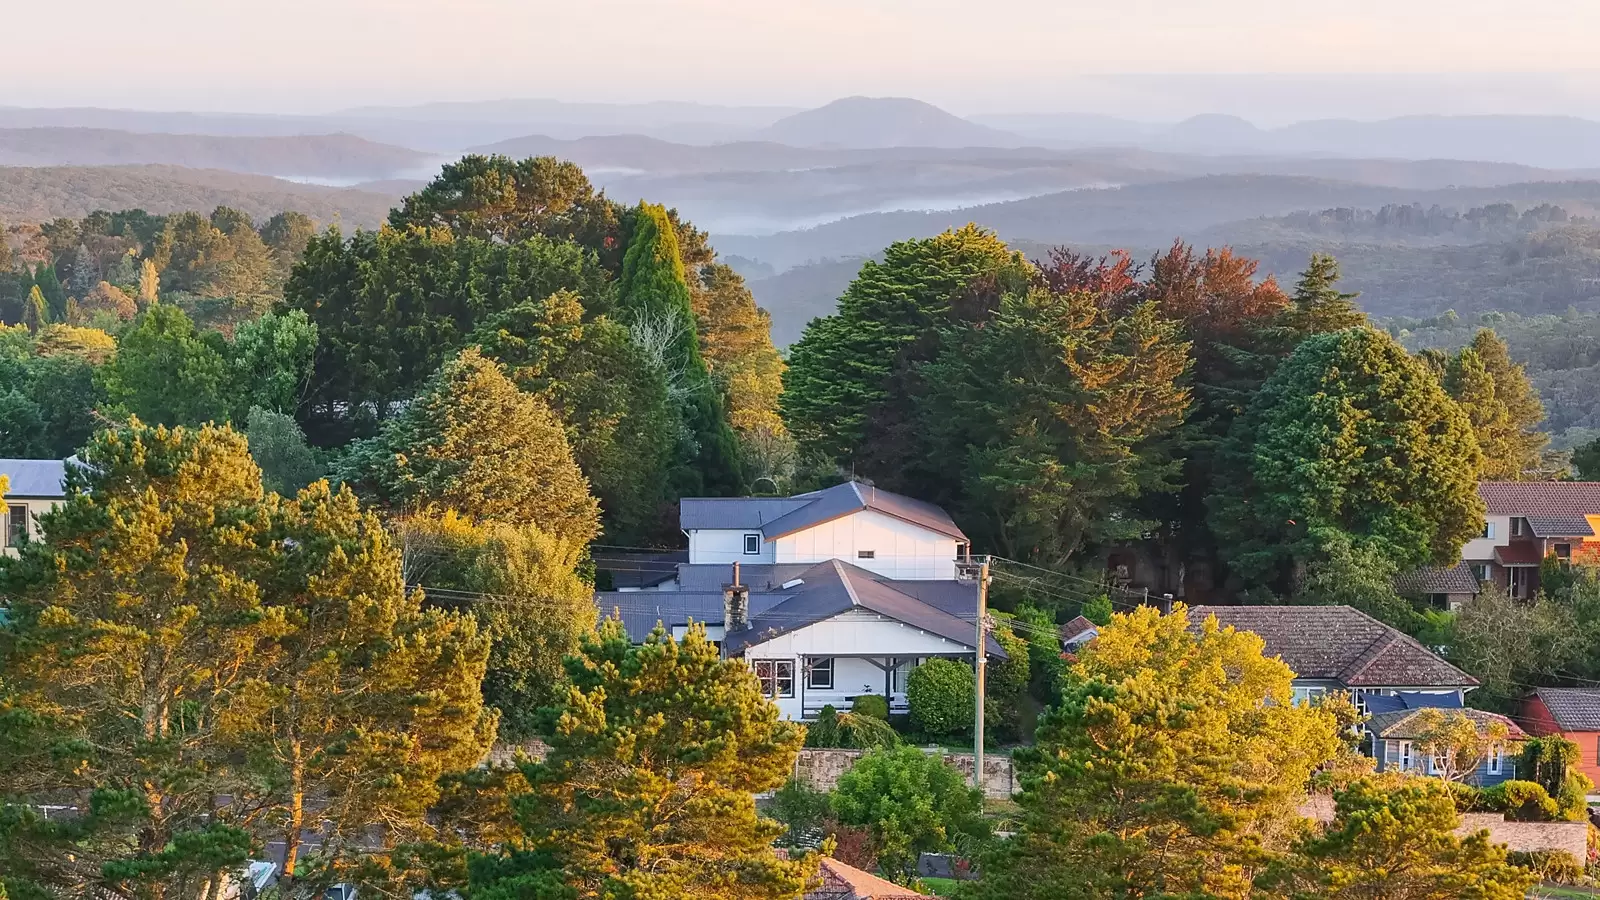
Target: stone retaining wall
x: 1571, y: 837
x: 820, y: 769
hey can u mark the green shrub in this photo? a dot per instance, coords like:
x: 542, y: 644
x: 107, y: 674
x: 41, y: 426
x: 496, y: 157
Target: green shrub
x: 1045, y: 665
x: 871, y: 705
x: 824, y: 732
x: 1098, y: 610
x: 1006, y: 683
x: 940, y: 693
x: 913, y: 803
x: 1468, y: 798
x: 1522, y: 801
x: 1554, y: 866
x: 803, y: 809
x: 1572, y: 800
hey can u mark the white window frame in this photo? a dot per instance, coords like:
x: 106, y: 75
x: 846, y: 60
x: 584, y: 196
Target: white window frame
x: 752, y: 544
x: 1359, y: 700
x: 1480, y: 571
x: 1405, y: 756
x: 773, y: 675
x: 820, y: 666
x: 1497, y: 759
x: 1517, y: 526
x: 1306, y: 694
x: 1488, y: 530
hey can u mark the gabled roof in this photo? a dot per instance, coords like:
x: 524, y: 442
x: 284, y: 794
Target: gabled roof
x: 35, y: 478
x: 842, y: 882
x: 1340, y: 644
x: 836, y: 587
x: 1563, y: 499
x: 1075, y: 629
x: 775, y: 517
x: 1404, y: 725
x: 1574, y: 709
x: 1456, y: 579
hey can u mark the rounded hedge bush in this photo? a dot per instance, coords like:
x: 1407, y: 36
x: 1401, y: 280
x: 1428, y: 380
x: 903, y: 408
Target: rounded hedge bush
x: 1521, y: 801
x: 940, y: 693
x: 872, y: 705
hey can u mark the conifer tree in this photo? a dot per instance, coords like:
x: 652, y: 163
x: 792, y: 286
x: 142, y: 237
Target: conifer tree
x: 1520, y: 440
x: 1317, y: 306
x: 1470, y: 385
x: 475, y: 443
x: 35, y: 311
x: 149, y: 284
x: 648, y: 787
x: 165, y: 372
x: 44, y: 277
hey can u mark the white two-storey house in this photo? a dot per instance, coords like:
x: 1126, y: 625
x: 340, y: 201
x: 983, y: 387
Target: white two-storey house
x: 828, y: 595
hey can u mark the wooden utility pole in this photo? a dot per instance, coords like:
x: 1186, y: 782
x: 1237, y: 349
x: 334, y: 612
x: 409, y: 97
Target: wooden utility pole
x: 981, y: 664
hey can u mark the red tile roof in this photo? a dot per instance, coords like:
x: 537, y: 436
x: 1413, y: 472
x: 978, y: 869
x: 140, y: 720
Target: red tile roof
x: 842, y: 882
x: 1076, y: 627
x: 1518, y: 553
x: 1541, y: 498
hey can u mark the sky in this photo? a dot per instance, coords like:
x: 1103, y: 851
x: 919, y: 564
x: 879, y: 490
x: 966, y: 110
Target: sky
x: 1142, y: 58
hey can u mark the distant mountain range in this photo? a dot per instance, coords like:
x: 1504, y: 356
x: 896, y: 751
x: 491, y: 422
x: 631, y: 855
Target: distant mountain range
x: 325, y: 156
x: 875, y: 122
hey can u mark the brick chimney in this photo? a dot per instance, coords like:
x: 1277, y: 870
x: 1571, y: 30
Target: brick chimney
x: 735, y: 605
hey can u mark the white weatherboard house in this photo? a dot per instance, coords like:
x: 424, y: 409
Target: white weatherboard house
x: 36, y: 486
x: 828, y: 595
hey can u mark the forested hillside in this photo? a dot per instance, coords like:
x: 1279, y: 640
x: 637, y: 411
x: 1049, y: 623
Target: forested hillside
x: 321, y: 155
x: 41, y: 194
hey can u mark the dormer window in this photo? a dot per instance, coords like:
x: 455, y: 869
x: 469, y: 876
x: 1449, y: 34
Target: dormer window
x: 752, y: 545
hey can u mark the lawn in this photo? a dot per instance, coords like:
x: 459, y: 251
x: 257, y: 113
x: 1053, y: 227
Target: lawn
x: 941, y: 887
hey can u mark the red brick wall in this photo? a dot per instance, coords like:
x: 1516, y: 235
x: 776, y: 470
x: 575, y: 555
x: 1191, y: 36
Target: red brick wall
x: 1536, y: 720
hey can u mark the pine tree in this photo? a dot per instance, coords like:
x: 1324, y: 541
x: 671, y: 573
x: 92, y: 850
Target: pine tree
x: 647, y: 790
x: 149, y: 284
x: 474, y: 443
x: 1470, y: 385
x: 35, y: 311
x: 44, y: 277
x: 1317, y: 306
x: 82, y: 273
x: 1521, y: 441
x: 655, y: 302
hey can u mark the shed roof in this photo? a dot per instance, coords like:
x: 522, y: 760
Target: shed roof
x: 35, y: 478
x: 1574, y: 709
x: 1340, y: 644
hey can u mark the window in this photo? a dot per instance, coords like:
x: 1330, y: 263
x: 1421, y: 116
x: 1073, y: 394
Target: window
x: 1516, y: 527
x: 752, y: 544
x: 1438, y: 763
x: 16, y: 524
x: 1405, y: 756
x: 776, y: 676
x: 1563, y: 551
x: 819, y: 674
x: 866, y: 554
x: 1480, y: 571
x: 1359, y: 698
x: 1488, y: 530
x: 1304, y: 696
x: 1496, y: 759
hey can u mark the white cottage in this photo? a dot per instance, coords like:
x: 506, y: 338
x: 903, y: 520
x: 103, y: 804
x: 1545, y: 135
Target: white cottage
x: 35, y: 486
x: 828, y: 595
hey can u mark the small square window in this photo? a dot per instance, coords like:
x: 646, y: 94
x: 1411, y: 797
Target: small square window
x: 1563, y: 551
x: 819, y: 674
x: 1488, y: 530
x: 752, y: 544
x: 1480, y: 571
x: 866, y: 554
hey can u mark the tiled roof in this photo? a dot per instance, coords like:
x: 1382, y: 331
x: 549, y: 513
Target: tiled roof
x: 1076, y: 627
x: 775, y: 517
x: 1574, y: 709
x: 1340, y: 644
x: 35, y: 477
x: 1456, y: 579
x: 1518, y: 553
x: 1403, y: 724
x: 1560, y: 526
x: 842, y: 882
x: 1567, y: 499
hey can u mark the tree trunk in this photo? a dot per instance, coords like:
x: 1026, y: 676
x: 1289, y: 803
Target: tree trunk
x: 297, y: 808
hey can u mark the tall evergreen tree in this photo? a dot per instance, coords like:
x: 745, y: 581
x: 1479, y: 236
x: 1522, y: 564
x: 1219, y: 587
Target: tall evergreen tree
x: 1350, y: 440
x: 35, y: 310
x: 475, y: 443
x: 1317, y: 306
x: 655, y: 301
x: 1470, y: 385
x: 44, y: 277
x: 165, y: 371
x: 1520, y: 441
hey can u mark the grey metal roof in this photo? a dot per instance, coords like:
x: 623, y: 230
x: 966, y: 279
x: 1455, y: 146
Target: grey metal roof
x: 1456, y: 579
x: 775, y: 517
x: 1574, y: 709
x: 834, y: 587
x: 745, y: 513
x: 35, y: 477
x: 641, y: 611
x: 764, y: 577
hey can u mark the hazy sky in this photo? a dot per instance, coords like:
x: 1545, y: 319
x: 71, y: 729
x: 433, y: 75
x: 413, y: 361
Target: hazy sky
x: 967, y: 55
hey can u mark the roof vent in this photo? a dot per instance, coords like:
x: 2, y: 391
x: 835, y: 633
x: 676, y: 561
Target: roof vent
x: 792, y: 583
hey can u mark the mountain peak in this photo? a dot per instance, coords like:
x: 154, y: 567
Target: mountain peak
x: 875, y: 122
